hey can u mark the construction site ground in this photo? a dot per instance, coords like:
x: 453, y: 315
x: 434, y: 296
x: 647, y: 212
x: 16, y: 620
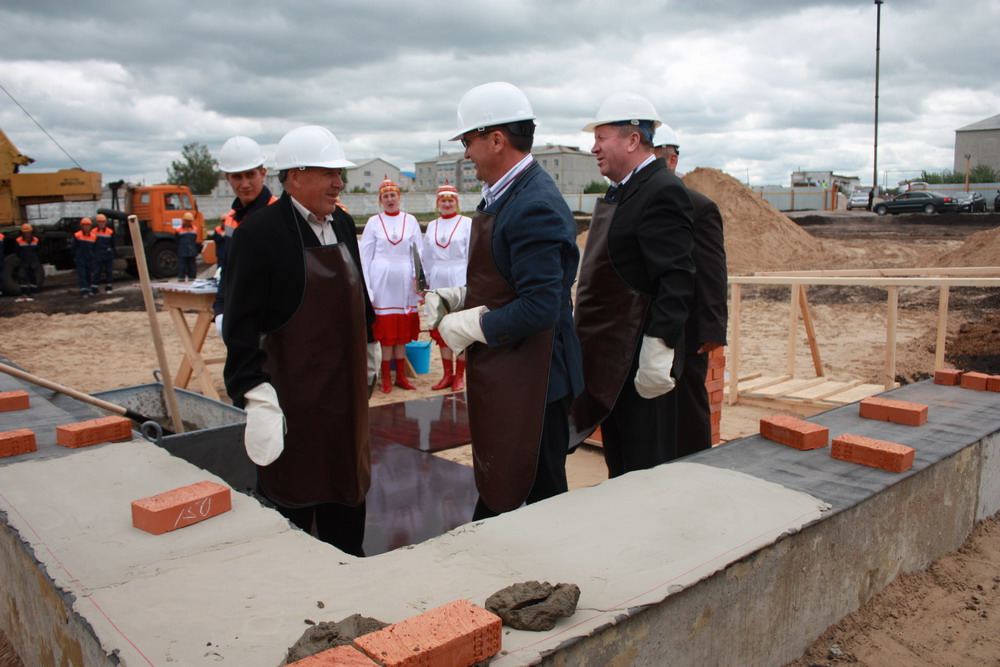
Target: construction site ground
x: 924, y: 618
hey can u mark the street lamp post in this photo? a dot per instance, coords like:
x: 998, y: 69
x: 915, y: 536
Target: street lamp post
x: 968, y: 158
x: 878, y: 32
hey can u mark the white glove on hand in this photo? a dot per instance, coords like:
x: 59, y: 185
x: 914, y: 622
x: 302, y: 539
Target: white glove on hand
x: 440, y: 302
x: 462, y: 329
x: 655, y: 362
x: 218, y: 324
x: 374, y: 360
x: 264, y: 436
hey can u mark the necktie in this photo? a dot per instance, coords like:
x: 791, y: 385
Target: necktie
x: 612, y: 191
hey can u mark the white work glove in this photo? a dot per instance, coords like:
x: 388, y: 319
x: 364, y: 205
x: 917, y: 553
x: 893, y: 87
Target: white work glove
x: 439, y: 302
x: 462, y: 329
x: 374, y: 361
x: 655, y: 361
x: 264, y: 436
x: 218, y: 324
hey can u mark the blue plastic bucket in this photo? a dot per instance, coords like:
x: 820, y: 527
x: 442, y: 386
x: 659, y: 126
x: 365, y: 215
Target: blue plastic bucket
x: 419, y: 354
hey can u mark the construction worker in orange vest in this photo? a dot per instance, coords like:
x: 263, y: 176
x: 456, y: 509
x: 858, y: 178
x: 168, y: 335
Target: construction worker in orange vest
x: 187, y: 248
x: 104, y: 253
x: 31, y: 265
x: 83, y: 245
x: 242, y: 161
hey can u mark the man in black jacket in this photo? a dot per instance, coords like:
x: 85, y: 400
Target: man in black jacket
x: 635, y: 281
x: 301, y: 355
x: 706, y: 324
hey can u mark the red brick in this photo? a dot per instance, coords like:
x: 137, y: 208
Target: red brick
x: 993, y: 383
x: 715, y: 396
x: 714, y: 385
x: 897, y: 412
x: 717, y: 361
x: 948, y: 376
x: 882, y: 454
x: 340, y: 656
x: 458, y: 633
x: 94, y: 431
x: 181, y: 507
x: 17, y: 442
x: 794, y: 432
x: 14, y: 400
x: 974, y: 380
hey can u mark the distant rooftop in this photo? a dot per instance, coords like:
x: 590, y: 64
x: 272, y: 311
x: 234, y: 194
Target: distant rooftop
x: 991, y: 123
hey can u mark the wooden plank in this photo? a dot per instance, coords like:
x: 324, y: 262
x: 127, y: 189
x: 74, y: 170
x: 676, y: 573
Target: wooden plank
x: 762, y: 381
x: 793, y: 325
x: 745, y: 378
x: 865, y: 281
x: 855, y: 394
x: 983, y: 271
x: 889, y: 375
x: 783, y: 389
x: 823, y: 390
x: 810, y: 331
x: 733, y: 353
x: 803, y: 408
x: 942, y: 328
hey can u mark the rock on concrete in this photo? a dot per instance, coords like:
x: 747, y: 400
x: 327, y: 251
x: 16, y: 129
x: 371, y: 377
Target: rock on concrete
x: 534, y: 606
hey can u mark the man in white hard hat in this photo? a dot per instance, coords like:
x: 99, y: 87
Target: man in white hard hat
x: 242, y: 162
x: 636, y: 273
x: 301, y: 355
x: 514, y: 315
x: 708, y: 315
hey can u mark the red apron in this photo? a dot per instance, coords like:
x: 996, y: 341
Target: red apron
x: 609, y: 317
x: 318, y: 366
x: 507, y: 387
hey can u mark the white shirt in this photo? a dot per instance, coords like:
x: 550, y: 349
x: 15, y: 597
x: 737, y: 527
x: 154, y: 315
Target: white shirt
x: 492, y: 192
x: 323, y: 228
x: 625, y: 180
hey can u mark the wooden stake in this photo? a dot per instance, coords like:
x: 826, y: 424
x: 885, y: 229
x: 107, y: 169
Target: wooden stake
x: 147, y: 296
x: 942, y: 328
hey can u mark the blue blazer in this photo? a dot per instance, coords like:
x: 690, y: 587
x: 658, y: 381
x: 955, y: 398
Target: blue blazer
x: 534, y: 248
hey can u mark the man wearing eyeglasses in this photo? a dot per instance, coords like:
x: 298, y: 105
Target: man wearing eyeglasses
x: 515, y: 315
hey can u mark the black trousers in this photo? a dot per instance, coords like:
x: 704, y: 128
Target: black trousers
x: 343, y: 526
x: 550, y: 474
x: 694, y: 412
x: 639, y: 433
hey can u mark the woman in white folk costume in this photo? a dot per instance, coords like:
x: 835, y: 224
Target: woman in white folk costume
x: 445, y: 258
x: 387, y: 261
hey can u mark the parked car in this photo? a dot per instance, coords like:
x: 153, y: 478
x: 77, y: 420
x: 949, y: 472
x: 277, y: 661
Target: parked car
x: 917, y: 201
x: 971, y: 202
x: 859, y: 199
x: 996, y: 203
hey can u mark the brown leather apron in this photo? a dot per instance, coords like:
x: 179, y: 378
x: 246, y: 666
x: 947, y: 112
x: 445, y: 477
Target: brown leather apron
x: 507, y: 387
x: 318, y: 366
x: 609, y: 317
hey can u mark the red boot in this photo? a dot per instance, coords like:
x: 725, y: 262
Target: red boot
x: 386, y: 377
x: 459, y: 383
x: 401, y: 380
x: 449, y: 375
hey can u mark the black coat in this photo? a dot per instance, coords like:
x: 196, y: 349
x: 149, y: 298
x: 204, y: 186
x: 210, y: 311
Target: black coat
x: 265, y: 282
x: 650, y: 242
x: 708, y: 308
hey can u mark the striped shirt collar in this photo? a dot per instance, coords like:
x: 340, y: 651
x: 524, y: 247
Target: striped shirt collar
x: 493, y: 192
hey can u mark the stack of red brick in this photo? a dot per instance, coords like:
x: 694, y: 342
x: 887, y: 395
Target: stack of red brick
x: 713, y: 384
x: 967, y: 380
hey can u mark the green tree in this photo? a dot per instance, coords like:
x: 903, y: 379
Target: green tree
x: 595, y: 188
x: 984, y: 173
x: 197, y: 169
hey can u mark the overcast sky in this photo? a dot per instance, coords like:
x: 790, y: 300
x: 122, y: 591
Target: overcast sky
x: 756, y: 89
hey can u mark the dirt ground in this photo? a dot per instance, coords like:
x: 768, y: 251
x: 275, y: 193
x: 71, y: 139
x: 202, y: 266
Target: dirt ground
x: 945, y: 615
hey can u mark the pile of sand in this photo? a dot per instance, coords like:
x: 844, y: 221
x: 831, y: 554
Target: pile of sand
x: 759, y: 237
x: 980, y: 249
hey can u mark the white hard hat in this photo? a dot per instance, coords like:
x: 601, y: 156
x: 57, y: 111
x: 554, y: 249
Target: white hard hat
x: 491, y: 104
x: 240, y: 154
x: 310, y: 146
x: 625, y: 107
x: 665, y: 136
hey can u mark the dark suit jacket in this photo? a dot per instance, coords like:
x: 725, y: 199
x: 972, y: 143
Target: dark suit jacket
x: 534, y: 248
x: 709, y: 311
x: 650, y: 241
x: 265, y: 283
